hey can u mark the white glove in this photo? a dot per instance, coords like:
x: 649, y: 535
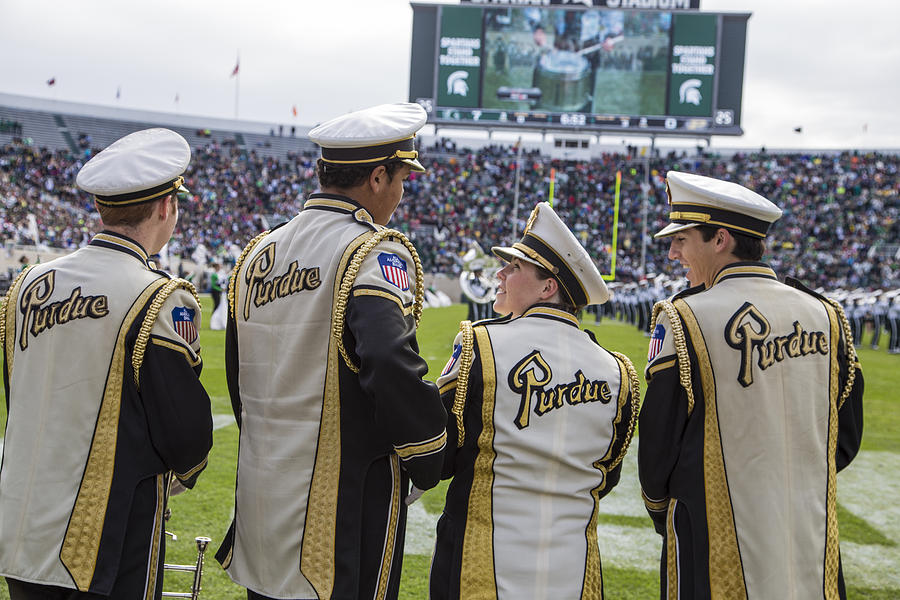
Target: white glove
x: 176, y: 487
x: 414, y: 494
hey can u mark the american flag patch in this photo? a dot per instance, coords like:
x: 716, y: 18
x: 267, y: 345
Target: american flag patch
x: 457, y: 350
x: 183, y: 320
x: 393, y: 268
x: 656, y: 342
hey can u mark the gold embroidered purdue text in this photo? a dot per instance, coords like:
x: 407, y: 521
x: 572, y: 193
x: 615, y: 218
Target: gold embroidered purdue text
x: 532, y: 373
x: 741, y: 335
x: 262, y: 292
x: 38, y: 318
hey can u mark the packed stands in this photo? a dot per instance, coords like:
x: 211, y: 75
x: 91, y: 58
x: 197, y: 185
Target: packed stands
x: 841, y: 226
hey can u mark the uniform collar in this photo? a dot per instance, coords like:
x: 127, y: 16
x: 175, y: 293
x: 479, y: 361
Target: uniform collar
x: 121, y: 243
x: 338, y: 203
x: 745, y: 269
x: 544, y: 311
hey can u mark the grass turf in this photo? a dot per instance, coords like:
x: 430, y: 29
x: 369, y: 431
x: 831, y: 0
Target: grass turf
x: 207, y: 509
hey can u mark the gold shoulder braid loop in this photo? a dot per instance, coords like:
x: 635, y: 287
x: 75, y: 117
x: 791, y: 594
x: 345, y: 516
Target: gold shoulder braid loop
x: 684, y: 363
x: 7, y: 319
x: 343, y: 296
x: 232, y: 278
x: 635, y: 404
x: 140, y: 344
x: 462, y: 379
x: 852, y: 358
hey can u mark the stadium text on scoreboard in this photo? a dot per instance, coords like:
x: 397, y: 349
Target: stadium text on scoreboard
x: 646, y: 66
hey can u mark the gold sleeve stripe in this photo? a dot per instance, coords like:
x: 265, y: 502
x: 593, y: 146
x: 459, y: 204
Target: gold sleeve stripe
x: 725, y: 571
x: 189, y: 355
x: 476, y: 577
x: 406, y: 310
x: 140, y: 344
x: 655, y: 505
x: 81, y: 543
x: 317, y: 547
x: 450, y: 385
x: 422, y: 448
x: 462, y: 379
x: 662, y: 366
x: 672, y: 591
x: 193, y: 471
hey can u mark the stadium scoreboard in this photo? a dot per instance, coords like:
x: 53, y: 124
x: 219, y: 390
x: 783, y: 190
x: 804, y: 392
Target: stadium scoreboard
x: 638, y: 66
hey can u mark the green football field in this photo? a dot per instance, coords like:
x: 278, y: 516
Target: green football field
x: 867, y: 490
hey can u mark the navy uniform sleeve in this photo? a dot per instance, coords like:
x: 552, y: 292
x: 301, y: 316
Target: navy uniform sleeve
x: 447, y: 382
x: 176, y: 404
x: 662, y: 421
x: 407, y: 408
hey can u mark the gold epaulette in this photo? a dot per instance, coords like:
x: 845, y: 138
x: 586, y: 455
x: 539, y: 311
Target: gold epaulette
x: 9, y: 318
x: 343, y: 295
x: 635, y: 404
x: 852, y: 358
x: 140, y: 344
x: 462, y: 379
x: 232, y: 278
x: 681, y: 352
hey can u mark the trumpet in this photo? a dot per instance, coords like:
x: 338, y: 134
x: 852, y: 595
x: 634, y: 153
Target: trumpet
x: 197, y: 568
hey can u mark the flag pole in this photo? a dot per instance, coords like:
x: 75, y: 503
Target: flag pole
x: 237, y: 83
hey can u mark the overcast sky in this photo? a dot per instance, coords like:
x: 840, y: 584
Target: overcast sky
x: 831, y: 67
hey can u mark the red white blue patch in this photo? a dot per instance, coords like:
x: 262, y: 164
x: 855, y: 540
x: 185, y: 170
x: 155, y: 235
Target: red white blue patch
x: 183, y: 320
x: 656, y: 342
x: 457, y: 350
x: 393, y: 268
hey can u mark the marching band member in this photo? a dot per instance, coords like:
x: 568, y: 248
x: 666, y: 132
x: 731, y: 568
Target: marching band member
x: 753, y: 404
x: 540, y: 418
x: 102, y: 385
x: 326, y: 380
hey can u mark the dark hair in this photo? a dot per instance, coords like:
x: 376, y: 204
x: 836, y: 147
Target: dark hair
x: 746, y: 247
x: 345, y: 177
x: 128, y: 216
x: 564, y: 303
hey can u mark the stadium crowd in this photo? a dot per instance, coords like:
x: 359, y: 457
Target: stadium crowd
x: 840, y: 229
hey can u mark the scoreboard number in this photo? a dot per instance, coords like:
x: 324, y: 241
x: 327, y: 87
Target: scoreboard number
x: 724, y: 117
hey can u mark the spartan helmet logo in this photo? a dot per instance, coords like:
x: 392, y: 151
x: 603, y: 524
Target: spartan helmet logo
x: 689, y: 92
x: 456, y: 83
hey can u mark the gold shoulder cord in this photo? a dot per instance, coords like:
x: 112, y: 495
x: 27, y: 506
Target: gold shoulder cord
x: 140, y: 345
x: 635, y: 405
x: 5, y: 316
x: 684, y: 363
x: 462, y: 379
x: 852, y: 358
x: 232, y: 278
x: 340, y: 304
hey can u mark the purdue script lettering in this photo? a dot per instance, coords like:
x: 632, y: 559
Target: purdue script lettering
x: 294, y: 280
x: 532, y: 373
x: 741, y: 334
x: 39, y: 318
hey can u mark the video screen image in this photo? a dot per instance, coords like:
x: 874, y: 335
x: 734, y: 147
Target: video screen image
x: 558, y: 60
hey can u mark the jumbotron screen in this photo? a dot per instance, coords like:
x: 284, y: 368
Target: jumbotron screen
x: 557, y: 66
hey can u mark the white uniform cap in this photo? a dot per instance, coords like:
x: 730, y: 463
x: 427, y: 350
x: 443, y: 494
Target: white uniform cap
x: 698, y: 200
x: 372, y: 136
x: 548, y: 243
x: 140, y: 167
